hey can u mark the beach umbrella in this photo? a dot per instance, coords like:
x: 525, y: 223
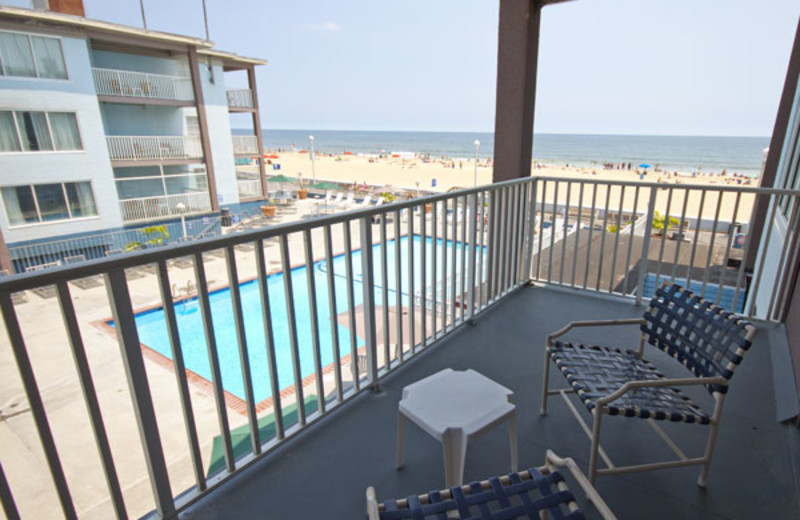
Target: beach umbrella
x: 644, y: 165
x: 325, y: 185
x: 282, y: 179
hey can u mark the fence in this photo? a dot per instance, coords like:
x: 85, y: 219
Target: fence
x: 150, y: 208
x: 245, y: 144
x: 144, y: 148
x: 114, y: 82
x: 240, y: 98
x: 370, y: 289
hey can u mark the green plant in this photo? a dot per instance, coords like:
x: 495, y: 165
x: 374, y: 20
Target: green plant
x: 662, y: 224
x: 612, y: 228
x: 388, y: 197
x: 155, y: 235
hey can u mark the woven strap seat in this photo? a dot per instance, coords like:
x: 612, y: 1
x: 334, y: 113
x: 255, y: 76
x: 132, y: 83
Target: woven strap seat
x: 595, y: 372
x: 522, y: 495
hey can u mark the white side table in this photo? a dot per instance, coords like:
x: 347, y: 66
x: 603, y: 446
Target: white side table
x: 454, y: 407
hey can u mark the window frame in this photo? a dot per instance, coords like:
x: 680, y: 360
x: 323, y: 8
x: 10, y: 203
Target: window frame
x: 40, y: 221
x: 46, y: 113
x: 3, y: 73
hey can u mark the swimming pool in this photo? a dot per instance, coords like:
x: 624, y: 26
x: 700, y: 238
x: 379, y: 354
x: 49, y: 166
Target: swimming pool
x: 153, y: 332
x: 725, y: 301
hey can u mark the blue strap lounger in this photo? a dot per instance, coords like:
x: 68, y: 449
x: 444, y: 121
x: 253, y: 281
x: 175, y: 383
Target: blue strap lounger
x: 526, y: 494
x: 707, y: 340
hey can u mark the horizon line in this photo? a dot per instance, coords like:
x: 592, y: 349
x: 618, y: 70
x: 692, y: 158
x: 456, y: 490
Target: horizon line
x: 492, y: 132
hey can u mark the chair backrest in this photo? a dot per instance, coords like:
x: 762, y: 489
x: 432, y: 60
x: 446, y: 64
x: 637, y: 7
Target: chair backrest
x: 707, y: 339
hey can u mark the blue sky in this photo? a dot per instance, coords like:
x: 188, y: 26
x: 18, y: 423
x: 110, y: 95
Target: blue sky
x: 673, y: 67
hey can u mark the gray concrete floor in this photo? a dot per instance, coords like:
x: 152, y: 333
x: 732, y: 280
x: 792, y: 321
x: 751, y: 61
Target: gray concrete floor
x: 324, y: 472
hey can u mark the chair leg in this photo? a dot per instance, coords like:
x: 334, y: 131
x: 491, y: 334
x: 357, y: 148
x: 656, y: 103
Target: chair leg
x: 712, y: 439
x: 543, y: 409
x: 597, y: 414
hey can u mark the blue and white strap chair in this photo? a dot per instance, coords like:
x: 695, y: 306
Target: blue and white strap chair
x: 534, y: 494
x: 708, y: 340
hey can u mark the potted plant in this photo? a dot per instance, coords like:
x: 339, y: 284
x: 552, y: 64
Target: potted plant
x: 269, y: 209
x: 302, y: 193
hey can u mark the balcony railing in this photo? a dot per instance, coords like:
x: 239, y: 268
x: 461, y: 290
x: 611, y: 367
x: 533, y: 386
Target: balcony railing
x: 126, y: 83
x: 249, y: 188
x: 240, y: 98
x: 245, y: 144
x: 154, y: 148
x: 151, y: 208
x: 370, y: 290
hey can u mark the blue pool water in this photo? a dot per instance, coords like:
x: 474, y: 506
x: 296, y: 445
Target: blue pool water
x: 153, y: 333
x: 725, y: 301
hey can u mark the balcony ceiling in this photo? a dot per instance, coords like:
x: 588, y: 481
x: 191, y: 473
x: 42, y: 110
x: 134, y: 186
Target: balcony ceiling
x: 323, y: 473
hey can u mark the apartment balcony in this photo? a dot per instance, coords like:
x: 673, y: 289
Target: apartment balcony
x: 245, y: 145
x: 249, y: 188
x: 247, y: 389
x: 153, y: 149
x: 153, y: 208
x: 125, y: 86
x: 240, y: 99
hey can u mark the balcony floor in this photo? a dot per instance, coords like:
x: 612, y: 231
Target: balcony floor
x: 323, y: 473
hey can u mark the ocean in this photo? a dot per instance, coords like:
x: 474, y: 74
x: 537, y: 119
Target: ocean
x: 741, y: 155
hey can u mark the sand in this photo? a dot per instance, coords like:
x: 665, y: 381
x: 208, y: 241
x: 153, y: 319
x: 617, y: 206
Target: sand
x: 416, y: 174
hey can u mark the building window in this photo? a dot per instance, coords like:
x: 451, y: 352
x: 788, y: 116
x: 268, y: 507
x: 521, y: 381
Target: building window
x: 48, y: 202
x: 30, y: 56
x: 31, y: 131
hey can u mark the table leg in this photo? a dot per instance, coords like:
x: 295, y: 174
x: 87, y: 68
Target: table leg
x: 512, y: 440
x: 401, y: 434
x: 454, y: 447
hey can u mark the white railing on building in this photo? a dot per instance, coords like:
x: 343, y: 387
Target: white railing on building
x: 245, y: 144
x: 126, y: 83
x: 249, y: 188
x: 240, y: 98
x: 150, y: 148
x: 150, y: 208
x: 462, y: 266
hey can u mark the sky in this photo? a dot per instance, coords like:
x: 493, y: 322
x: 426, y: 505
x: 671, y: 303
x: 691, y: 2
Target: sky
x: 659, y: 67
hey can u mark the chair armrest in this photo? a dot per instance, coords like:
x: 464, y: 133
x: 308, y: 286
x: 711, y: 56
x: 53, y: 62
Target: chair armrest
x: 657, y: 383
x: 372, y: 505
x: 553, y: 461
x: 592, y: 323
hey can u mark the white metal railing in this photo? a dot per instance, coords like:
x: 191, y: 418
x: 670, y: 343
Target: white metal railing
x: 240, y: 98
x: 249, y: 188
x: 99, y: 245
x: 126, y: 83
x: 150, y: 208
x: 376, y: 261
x: 148, y: 148
x: 245, y: 144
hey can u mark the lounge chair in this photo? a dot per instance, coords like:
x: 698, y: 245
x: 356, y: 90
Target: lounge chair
x: 346, y: 203
x: 366, y: 202
x: 532, y: 494
x: 89, y: 282
x: 708, y: 340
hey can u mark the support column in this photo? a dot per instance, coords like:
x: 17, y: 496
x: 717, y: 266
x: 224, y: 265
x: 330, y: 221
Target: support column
x: 517, y: 60
x: 5, y: 256
x: 768, y: 176
x: 262, y: 174
x: 202, y: 120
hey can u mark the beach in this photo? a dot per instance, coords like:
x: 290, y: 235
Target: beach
x: 446, y: 174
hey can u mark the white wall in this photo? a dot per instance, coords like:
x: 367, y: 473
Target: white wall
x: 76, y: 94
x: 219, y: 132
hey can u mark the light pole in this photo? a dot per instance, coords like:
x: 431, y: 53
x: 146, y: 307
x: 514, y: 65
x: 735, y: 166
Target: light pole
x: 477, y: 145
x: 181, y: 207
x: 313, y: 171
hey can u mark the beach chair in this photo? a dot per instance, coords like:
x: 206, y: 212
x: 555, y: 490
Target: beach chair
x: 346, y: 203
x: 366, y: 202
x: 533, y: 494
x: 336, y: 201
x: 708, y: 340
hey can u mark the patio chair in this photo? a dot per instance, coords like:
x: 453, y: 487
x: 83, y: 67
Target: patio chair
x: 532, y: 494
x: 346, y: 203
x: 708, y: 340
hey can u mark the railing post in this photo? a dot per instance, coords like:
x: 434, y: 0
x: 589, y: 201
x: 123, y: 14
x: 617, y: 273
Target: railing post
x: 122, y: 310
x: 368, y: 307
x: 648, y: 225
